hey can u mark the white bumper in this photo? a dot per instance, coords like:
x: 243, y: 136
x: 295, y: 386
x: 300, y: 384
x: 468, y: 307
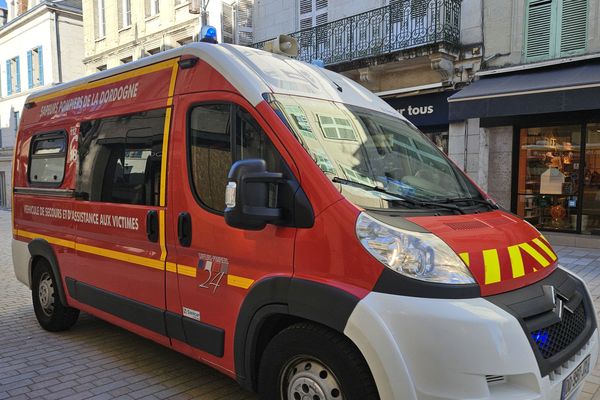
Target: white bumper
x: 21, y: 258
x: 434, y: 349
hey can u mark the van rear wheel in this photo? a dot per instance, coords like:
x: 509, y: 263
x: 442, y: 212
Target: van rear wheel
x: 51, y: 314
x: 308, y: 361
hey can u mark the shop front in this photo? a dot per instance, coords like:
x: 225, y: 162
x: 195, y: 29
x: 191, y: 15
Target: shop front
x: 429, y: 113
x: 555, y: 116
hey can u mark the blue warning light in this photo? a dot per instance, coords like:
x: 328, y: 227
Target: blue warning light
x: 208, y: 32
x: 540, y: 337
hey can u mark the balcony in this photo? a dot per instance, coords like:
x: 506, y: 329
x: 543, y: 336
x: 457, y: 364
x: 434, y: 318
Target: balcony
x: 398, y: 27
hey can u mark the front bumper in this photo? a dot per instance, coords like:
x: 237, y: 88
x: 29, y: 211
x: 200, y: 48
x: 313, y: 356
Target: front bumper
x: 433, y: 349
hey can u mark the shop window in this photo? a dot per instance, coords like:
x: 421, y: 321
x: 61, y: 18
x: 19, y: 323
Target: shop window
x: 47, y: 159
x: 590, y: 213
x: 555, y: 28
x: 549, y: 176
x: 120, y: 158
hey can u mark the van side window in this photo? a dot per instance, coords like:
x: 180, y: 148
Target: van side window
x: 47, y: 160
x: 210, y: 152
x: 120, y: 158
x: 219, y: 135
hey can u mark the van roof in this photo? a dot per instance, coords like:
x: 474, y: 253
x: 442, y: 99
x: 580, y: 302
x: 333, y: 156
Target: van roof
x: 253, y: 72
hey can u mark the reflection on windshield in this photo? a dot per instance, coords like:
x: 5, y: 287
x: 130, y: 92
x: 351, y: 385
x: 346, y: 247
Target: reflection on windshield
x: 373, y: 149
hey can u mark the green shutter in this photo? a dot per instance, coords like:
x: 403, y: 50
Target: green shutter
x: 30, y: 69
x: 539, y: 28
x: 41, y: 66
x: 9, y: 88
x: 573, y: 27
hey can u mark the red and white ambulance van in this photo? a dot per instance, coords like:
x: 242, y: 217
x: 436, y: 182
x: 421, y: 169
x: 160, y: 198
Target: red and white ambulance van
x: 284, y: 225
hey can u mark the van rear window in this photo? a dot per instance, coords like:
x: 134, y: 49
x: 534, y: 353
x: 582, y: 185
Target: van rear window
x: 47, y: 160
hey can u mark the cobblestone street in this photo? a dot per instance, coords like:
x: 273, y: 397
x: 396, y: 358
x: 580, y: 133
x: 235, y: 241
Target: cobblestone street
x: 95, y: 360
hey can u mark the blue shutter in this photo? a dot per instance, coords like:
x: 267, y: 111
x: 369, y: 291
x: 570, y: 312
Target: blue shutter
x: 30, y: 69
x: 18, y: 85
x: 9, y: 88
x: 41, y: 65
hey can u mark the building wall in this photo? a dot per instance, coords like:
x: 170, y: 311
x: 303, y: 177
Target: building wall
x: 170, y: 28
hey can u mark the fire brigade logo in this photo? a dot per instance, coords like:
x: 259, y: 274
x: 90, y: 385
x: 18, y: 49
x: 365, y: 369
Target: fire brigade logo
x: 215, y: 267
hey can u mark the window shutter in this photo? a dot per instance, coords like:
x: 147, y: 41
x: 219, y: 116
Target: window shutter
x: 573, y: 27
x: 18, y: 65
x: 147, y: 7
x: 305, y: 7
x: 9, y: 87
x: 227, y: 22
x: 539, y: 29
x: 96, y: 28
x: 321, y: 18
x: 306, y: 23
x: 41, y: 65
x: 30, y: 68
x: 243, y: 22
x: 120, y: 13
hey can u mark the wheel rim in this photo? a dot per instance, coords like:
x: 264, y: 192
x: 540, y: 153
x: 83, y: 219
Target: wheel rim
x: 306, y: 378
x: 46, y: 294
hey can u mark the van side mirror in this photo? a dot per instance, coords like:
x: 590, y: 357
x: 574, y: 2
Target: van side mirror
x: 247, y: 195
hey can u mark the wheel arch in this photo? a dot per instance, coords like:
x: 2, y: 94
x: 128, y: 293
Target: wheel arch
x: 275, y: 303
x: 41, y: 249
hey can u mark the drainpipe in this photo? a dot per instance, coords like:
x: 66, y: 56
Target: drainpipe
x: 57, y: 38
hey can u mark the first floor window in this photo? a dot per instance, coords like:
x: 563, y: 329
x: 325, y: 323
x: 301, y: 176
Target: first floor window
x: 35, y: 67
x: 152, y: 7
x: 13, y: 76
x: 124, y: 13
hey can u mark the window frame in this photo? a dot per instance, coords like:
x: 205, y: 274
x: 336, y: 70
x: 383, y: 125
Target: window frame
x: 44, y: 136
x: 188, y: 145
x: 234, y: 109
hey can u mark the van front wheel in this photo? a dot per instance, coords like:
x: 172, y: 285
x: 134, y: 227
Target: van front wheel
x: 307, y: 361
x: 49, y: 311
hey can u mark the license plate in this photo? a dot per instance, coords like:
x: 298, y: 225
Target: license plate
x: 572, y: 382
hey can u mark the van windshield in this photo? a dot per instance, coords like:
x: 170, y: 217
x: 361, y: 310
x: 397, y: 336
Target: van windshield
x: 378, y: 159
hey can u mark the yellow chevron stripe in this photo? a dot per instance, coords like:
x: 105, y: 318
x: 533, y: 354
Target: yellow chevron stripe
x: 465, y: 258
x: 492, y: 266
x: 516, y: 261
x: 535, y: 254
x: 546, y: 249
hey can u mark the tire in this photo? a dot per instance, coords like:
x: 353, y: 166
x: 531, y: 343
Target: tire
x: 308, y: 361
x: 51, y: 314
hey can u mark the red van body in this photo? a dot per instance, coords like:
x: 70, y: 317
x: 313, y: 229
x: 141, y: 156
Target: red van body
x: 170, y: 268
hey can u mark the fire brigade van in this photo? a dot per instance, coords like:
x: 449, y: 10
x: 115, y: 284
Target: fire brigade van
x: 284, y: 225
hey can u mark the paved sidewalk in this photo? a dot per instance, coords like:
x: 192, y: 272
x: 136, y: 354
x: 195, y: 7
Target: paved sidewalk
x: 96, y: 360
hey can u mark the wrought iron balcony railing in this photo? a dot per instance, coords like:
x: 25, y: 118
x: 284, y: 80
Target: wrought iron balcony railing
x: 402, y: 25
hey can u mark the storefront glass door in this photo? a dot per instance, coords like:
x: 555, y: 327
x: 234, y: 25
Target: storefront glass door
x: 590, y: 212
x: 549, y: 176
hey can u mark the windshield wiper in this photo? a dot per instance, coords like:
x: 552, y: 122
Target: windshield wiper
x: 486, y: 202
x: 413, y: 202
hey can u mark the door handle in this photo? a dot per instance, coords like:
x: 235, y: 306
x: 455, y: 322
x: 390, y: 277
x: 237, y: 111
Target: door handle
x: 184, y: 229
x: 152, y: 226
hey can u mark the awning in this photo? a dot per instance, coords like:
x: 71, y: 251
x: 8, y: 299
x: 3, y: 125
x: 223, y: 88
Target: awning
x: 559, y: 89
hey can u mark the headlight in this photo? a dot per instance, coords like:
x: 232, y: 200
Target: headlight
x: 416, y: 255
